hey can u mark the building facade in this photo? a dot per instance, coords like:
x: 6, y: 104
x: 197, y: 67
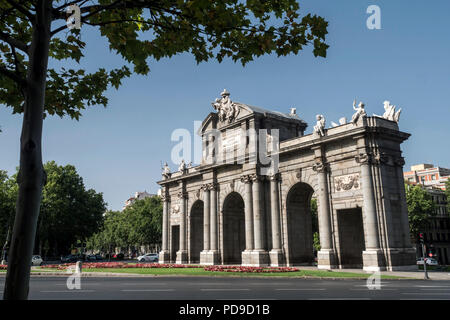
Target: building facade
x: 248, y: 202
x: 428, y: 175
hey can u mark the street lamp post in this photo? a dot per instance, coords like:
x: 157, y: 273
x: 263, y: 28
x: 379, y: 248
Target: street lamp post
x: 424, y: 257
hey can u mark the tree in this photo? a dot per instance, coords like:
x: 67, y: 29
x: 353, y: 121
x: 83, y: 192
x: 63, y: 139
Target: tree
x: 68, y: 212
x: 30, y: 33
x: 8, y: 192
x: 139, y: 224
x: 420, y: 208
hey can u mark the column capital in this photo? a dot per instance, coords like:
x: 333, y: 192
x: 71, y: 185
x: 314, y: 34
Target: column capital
x: 399, y: 161
x: 246, y: 178
x: 364, y: 158
x: 205, y: 187
x: 256, y: 178
x: 212, y: 186
x: 380, y: 158
x: 320, y: 166
x: 165, y: 197
x: 182, y: 195
x: 274, y: 177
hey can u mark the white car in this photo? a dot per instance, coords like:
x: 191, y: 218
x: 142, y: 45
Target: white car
x: 430, y: 261
x: 36, y: 261
x: 149, y: 257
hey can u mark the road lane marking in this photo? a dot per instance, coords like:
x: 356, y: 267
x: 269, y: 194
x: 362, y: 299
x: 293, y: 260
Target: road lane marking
x: 436, y: 289
x: 145, y: 283
x: 443, y: 293
x: 64, y: 291
x: 386, y: 289
x: 224, y: 289
x: 300, y: 289
x: 146, y: 290
x: 432, y: 286
x: 339, y: 299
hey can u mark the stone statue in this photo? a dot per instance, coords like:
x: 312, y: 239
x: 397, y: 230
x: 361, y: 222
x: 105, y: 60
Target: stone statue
x: 389, y: 112
x: 360, y: 111
x: 320, y: 125
x: 166, y: 171
x: 182, y: 167
x: 226, y: 109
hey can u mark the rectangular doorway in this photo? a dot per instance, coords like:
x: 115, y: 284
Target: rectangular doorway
x: 351, y: 237
x: 175, y: 243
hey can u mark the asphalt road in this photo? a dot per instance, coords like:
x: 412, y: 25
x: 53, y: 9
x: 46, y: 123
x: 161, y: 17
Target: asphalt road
x: 204, y: 288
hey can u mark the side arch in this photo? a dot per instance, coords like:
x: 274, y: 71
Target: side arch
x: 196, y: 216
x: 299, y: 222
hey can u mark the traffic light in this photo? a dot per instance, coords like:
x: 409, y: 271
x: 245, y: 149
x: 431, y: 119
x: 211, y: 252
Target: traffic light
x: 421, y: 237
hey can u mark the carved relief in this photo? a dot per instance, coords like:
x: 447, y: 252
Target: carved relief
x: 347, y: 182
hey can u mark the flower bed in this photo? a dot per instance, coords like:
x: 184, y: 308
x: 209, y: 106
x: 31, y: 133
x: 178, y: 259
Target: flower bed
x: 111, y: 265
x: 3, y: 267
x: 250, y: 269
x: 123, y: 265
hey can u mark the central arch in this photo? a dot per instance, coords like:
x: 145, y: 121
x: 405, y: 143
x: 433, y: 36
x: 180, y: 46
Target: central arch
x: 233, y: 228
x: 196, y: 231
x: 299, y: 223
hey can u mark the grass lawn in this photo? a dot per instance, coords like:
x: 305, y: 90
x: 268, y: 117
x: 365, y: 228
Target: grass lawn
x: 201, y: 272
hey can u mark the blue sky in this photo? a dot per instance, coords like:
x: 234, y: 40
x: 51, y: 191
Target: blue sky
x: 118, y: 150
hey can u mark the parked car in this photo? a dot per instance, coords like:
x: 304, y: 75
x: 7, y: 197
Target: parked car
x: 429, y: 261
x: 91, y: 257
x: 118, y: 256
x: 98, y: 257
x: 149, y: 257
x: 69, y: 258
x: 36, y: 261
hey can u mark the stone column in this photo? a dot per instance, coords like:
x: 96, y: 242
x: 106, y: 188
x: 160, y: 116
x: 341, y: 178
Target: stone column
x: 164, y: 256
x: 326, y: 256
x: 372, y: 256
x: 246, y: 255
x: 213, y: 254
x: 260, y: 255
x: 182, y: 256
x: 276, y: 254
x: 206, y: 230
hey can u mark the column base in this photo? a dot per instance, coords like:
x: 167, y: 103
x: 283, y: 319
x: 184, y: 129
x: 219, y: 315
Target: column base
x: 164, y: 256
x: 373, y: 260
x: 255, y: 258
x: 210, y: 257
x: 246, y: 258
x: 277, y: 258
x: 402, y: 259
x: 326, y: 259
x: 204, y: 257
x: 182, y: 257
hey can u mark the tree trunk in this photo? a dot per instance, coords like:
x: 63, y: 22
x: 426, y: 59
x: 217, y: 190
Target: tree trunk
x: 31, y: 176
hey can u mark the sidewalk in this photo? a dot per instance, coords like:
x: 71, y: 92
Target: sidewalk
x: 419, y: 274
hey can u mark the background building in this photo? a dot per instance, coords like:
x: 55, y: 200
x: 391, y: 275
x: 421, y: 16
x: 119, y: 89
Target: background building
x: 428, y: 175
x: 437, y: 232
x: 137, y: 196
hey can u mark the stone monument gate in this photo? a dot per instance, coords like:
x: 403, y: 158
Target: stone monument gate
x: 234, y: 208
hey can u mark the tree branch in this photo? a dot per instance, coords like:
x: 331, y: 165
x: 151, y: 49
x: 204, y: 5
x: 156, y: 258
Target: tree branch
x: 14, y: 42
x: 22, y: 10
x: 13, y: 76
